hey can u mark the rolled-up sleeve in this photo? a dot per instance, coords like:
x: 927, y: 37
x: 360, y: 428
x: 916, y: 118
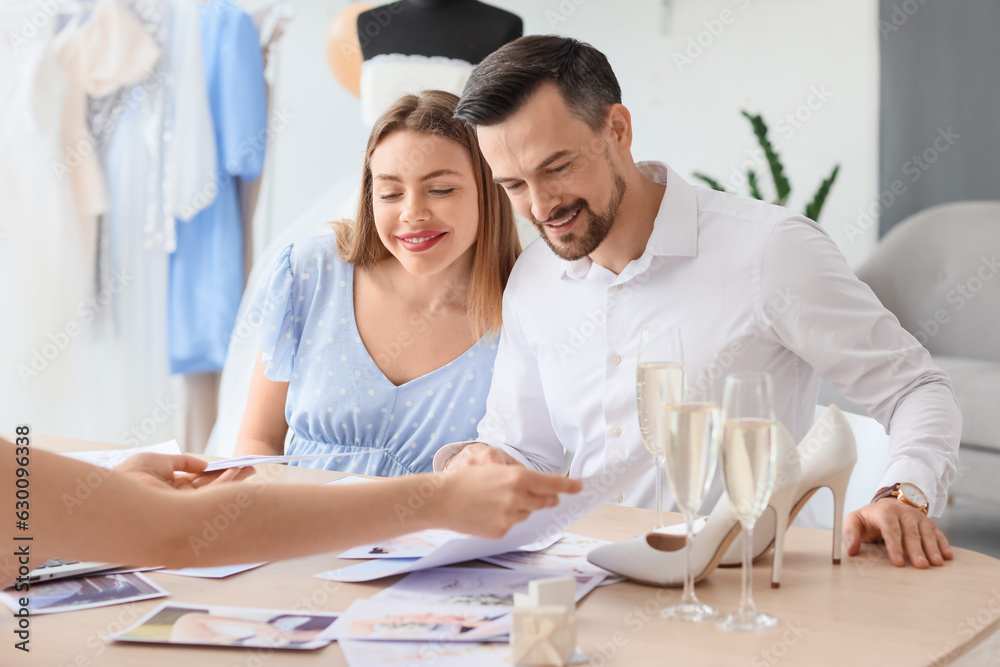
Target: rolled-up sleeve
x: 843, y: 331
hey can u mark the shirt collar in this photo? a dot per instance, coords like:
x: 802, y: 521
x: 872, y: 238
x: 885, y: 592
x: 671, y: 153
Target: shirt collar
x: 675, y: 228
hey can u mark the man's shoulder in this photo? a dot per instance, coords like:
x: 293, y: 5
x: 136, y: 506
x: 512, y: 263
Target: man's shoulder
x: 738, y: 213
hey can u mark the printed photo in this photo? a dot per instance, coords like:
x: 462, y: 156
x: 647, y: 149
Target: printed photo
x: 232, y: 626
x: 480, y: 586
x: 388, y: 620
x: 101, y: 590
x: 568, y: 556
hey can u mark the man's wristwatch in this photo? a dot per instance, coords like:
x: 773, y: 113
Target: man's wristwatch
x: 904, y: 492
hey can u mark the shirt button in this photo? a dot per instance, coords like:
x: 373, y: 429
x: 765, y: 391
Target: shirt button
x: 615, y: 359
x: 616, y: 431
x: 619, y: 497
x: 618, y: 288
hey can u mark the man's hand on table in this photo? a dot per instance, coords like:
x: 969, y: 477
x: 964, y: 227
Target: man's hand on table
x: 905, y: 530
x: 159, y: 470
x: 478, y: 454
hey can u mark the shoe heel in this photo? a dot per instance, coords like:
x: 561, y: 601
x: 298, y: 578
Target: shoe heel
x: 782, y: 507
x: 837, y: 483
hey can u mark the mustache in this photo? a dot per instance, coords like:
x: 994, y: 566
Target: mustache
x: 564, y: 212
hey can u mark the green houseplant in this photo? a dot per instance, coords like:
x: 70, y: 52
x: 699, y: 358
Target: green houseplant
x: 781, y: 184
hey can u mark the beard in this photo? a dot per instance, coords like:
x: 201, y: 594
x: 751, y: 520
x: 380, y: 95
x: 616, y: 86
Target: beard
x: 578, y: 245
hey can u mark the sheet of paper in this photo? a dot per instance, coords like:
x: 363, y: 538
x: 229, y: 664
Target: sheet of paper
x: 568, y: 556
x: 220, y: 572
x: 238, y: 627
x: 542, y: 525
x: 247, y: 461
x: 101, y: 590
x: 424, y: 543
x: 414, y: 545
x: 483, y: 586
x: 379, y: 620
x: 108, y: 458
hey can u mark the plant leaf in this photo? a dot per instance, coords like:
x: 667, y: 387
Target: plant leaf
x: 711, y: 182
x: 781, y: 184
x: 754, y: 185
x: 816, y: 205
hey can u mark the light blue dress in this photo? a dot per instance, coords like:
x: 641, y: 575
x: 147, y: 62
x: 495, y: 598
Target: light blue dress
x: 206, y: 269
x: 338, y: 399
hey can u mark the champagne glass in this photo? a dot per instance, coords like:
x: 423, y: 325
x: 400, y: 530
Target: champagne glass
x: 659, y: 381
x: 749, y: 453
x: 692, y: 450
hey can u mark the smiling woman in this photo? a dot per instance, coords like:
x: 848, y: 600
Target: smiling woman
x: 382, y: 335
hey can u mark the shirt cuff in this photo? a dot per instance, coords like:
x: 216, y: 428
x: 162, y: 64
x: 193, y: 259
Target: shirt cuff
x: 448, y: 452
x: 915, y: 472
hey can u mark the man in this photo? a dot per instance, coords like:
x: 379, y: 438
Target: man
x: 753, y: 287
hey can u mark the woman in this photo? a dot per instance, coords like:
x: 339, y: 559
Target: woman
x: 137, y: 515
x: 378, y: 341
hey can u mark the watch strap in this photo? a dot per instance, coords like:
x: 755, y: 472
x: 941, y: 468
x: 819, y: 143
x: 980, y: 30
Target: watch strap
x: 886, y: 492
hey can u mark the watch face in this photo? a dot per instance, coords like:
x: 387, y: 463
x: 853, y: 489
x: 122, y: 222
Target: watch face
x: 912, y: 492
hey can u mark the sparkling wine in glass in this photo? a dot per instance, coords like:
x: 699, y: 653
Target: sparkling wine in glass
x: 691, y: 453
x: 749, y: 452
x: 659, y: 381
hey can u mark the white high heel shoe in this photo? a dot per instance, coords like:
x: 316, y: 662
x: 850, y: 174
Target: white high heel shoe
x: 825, y: 457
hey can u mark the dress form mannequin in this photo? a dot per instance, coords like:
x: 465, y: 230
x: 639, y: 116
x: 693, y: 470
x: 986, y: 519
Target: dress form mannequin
x: 462, y: 29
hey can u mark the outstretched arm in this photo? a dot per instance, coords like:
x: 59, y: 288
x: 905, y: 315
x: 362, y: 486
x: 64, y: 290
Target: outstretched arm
x: 124, y: 520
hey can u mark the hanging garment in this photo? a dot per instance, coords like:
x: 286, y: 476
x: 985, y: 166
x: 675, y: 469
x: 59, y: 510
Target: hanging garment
x: 46, y: 249
x: 159, y: 150
x: 206, y: 270
x: 102, y: 54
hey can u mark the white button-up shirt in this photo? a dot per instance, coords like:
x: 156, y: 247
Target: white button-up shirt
x: 753, y: 287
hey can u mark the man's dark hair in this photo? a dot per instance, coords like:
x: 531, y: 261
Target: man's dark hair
x: 503, y: 82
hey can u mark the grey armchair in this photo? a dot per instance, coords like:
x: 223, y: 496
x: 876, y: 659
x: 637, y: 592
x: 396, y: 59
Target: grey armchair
x: 938, y: 271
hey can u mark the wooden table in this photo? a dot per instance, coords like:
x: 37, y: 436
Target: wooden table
x: 863, y: 612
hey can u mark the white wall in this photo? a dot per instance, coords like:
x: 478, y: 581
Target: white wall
x: 767, y: 56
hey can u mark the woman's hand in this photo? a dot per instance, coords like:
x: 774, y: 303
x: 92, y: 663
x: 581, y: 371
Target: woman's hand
x: 487, y: 500
x: 161, y: 471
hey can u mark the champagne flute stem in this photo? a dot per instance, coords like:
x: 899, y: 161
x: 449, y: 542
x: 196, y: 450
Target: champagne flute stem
x: 688, y: 596
x: 746, y: 599
x: 660, y: 474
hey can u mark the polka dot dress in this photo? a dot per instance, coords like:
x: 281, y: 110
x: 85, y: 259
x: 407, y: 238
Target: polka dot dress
x: 338, y: 399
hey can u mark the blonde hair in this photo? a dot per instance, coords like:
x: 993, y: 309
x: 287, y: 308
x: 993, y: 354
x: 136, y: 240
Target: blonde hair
x: 496, y: 245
